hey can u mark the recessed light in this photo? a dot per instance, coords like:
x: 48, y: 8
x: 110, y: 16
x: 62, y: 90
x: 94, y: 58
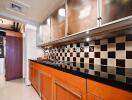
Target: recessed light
x: 62, y: 12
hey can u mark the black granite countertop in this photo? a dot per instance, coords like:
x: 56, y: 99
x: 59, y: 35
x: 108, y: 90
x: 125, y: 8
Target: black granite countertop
x: 65, y: 67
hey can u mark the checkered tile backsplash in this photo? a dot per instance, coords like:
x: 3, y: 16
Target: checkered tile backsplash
x: 109, y: 58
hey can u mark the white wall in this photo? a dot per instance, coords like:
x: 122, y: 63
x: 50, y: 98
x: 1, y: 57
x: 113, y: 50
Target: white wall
x: 30, y: 51
x: 2, y: 66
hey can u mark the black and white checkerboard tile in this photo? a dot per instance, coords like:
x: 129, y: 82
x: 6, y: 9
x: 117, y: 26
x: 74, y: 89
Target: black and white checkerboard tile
x: 109, y: 58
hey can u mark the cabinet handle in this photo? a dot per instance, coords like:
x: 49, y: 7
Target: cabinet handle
x: 69, y: 90
x: 99, y: 98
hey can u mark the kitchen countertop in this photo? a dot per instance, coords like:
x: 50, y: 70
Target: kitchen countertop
x: 62, y: 67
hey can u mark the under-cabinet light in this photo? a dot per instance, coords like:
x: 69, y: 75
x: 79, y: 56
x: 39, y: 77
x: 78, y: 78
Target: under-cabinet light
x: 87, y: 32
x: 87, y: 39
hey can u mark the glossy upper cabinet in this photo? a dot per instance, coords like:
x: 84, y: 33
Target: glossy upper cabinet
x: 82, y: 15
x: 115, y: 9
x: 43, y: 35
x: 58, y: 23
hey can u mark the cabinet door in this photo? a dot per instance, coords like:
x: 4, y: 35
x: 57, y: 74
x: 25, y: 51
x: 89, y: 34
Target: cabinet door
x: 115, y: 9
x: 82, y: 15
x: 63, y: 92
x: 58, y: 23
x: 43, y: 35
x: 30, y: 72
x: 36, y: 79
x: 39, y: 36
x: 100, y: 91
x: 46, y: 86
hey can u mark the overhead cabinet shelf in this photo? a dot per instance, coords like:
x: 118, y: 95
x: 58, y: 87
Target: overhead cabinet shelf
x: 80, y: 19
x: 107, y: 31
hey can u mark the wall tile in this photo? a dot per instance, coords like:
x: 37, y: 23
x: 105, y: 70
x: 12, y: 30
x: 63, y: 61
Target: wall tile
x: 128, y: 63
x: 111, y: 47
x: 129, y: 54
x: 129, y: 45
x: 111, y: 40
x: 103, y: 47
x: 111, y: 62
x: 120, y: 46
x: 120, y: 63
x: 108, y: 58
x: 120, y: 39
x: 121, y: 54
x: 104, y: 42
x: 103, y: 54
x: 129, y: 37
x: 111, y: 54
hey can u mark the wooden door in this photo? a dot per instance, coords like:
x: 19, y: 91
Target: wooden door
x: 13, y: 61
x: 63, y: 92
x: 46, y: 86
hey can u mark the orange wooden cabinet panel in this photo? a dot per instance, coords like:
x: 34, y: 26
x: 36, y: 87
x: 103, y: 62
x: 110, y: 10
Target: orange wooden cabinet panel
x: 46, y: 86
x: 100, y: 91
x: 69, y: 87
x: 91, y: 96
x: 58, y: 85
x: 31, y: 72
x: 36, y: 79
x: 34, y: 76
x: 64, y: 92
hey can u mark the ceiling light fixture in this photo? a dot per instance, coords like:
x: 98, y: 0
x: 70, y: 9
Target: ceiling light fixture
x: 62, y: 12
x: 87, y: 39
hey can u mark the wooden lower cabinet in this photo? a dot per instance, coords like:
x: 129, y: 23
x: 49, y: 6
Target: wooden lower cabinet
x: 46, y: 86
x: 56, y: 85
x: 91, y: 96
x: 31, y: 72
x: 100, y: 91
x: 36, y: 79
x: 62, y: 92
x: 53, y: 84
x: 34, y: 76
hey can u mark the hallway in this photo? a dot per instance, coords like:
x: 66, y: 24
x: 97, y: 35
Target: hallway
x: 16, y: 90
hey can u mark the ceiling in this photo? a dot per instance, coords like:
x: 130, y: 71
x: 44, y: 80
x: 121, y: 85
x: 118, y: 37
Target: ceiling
x: 33, y: 11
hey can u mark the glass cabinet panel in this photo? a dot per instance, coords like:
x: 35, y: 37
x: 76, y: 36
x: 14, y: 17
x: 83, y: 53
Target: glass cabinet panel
x: 44, y: 32
x: 115, y: 9
x: 82, y: 15
x: 58, y: 23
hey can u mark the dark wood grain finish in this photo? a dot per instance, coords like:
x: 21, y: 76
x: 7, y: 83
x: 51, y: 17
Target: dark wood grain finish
x: 13, y: 60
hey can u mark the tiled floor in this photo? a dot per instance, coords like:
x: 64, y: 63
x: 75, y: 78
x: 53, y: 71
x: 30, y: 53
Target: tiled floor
x: 16, y: 90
